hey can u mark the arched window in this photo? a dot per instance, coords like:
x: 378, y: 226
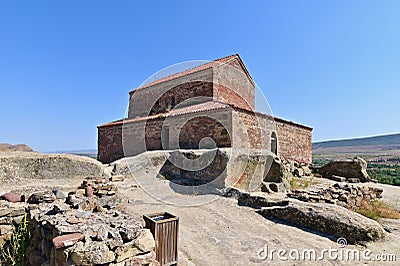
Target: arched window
x: 274, y: 143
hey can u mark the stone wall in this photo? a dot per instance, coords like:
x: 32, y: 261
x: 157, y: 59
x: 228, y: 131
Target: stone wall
x: 240, y: 129
x: 109, y: 143
x: 294, y: 141
x: 160, y: 95
x: 232, y: 84
x: 345, y: 195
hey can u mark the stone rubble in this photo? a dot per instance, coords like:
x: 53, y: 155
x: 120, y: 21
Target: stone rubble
x: 86, y: 227
x: 345, y: 195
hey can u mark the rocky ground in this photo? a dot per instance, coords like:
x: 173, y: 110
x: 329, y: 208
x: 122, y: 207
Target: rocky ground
x: 216, y: 230
x: 223, y: 233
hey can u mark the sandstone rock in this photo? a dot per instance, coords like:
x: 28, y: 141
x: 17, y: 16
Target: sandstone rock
x: 39, y: 197
x: 129, y: 232
x: 59, y: 194
x: 84, y: 214
x: 5, y: 229
x: 277, y: 171
x: 89, y: 192
x: 306, y: 170
x: 351, y: 169
x: 102, y: 233
x: 337, y: 178
x: 67, y: 240
x: 31, y: 165
x: 269, y: 187
x: 298, y: 172
x: 330, y: 219
x: 117, y: 178
x: 145, y: 241
x: 12, y: 197
x: 126, y: 251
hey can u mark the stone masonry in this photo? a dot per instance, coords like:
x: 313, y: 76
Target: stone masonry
x: 211, y: 105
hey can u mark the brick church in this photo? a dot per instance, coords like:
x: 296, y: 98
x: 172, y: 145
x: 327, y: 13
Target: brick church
x: 211, y: 105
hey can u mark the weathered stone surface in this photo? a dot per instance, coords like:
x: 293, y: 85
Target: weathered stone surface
x: 67, y: 240
x: 298, y: 172
x: 351, y: 169
x: 277, y: 171
x: 39, y: 197
x: 330, y: 219
x: 117, y: 178
x: 337, y: 178
x: 12, y: 197
x: 145, y: 241
x: 32, y: 165
x: 59, y: 194
x: 306, y: 170
x: 89, y: 192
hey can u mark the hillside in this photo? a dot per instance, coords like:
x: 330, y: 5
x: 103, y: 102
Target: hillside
x: 6, y: 147
x: 384, y: 140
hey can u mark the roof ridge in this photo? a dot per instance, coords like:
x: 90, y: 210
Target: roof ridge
x: 187, y: 71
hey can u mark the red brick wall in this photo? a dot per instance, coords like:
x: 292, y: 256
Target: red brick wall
x: 200, y: 127
x: 109, y: 143
x: 255, y: 130
x: 294, y: 142
x: 232, y: 85
x: 160, y: 96
x: 180, y: 93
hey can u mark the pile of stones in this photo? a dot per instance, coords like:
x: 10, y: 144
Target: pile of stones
x: 341, y: 194
x: 87, y: 226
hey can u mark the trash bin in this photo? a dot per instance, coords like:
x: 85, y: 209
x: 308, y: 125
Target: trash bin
x: 164, y: 227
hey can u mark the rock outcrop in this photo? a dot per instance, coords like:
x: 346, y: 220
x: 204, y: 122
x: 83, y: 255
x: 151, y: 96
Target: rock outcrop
x: 353, y: 170
x: 47, y: 166
x: 329, y: 219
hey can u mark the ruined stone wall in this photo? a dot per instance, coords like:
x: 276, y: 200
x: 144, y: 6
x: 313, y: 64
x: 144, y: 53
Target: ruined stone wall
x: 294, y: 142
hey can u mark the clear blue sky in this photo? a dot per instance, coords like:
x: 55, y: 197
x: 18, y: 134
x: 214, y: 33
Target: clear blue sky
x: 67, y: 66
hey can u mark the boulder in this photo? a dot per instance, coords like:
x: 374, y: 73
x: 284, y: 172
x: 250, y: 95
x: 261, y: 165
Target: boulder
x: 277, y: 172
x: 39, y: 197
x: 32, y: 165
x: 67, y: 240
x: 351, y: 169
x: 12, y: 197
x: 328, y: 219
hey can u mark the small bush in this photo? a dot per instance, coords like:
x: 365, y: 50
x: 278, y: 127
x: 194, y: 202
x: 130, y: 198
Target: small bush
x: 377, y: 209
x: 13, y: 252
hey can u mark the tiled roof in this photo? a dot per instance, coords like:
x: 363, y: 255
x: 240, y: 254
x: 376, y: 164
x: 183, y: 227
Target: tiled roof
x: 208, y: 65
x: 202, y: 107
x: 197, y: 108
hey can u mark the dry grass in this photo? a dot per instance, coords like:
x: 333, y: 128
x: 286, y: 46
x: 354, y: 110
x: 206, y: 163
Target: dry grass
x: 378, y: 209
x: 301, y: 183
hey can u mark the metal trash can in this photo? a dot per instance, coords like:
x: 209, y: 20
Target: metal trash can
x: 164, y: 227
